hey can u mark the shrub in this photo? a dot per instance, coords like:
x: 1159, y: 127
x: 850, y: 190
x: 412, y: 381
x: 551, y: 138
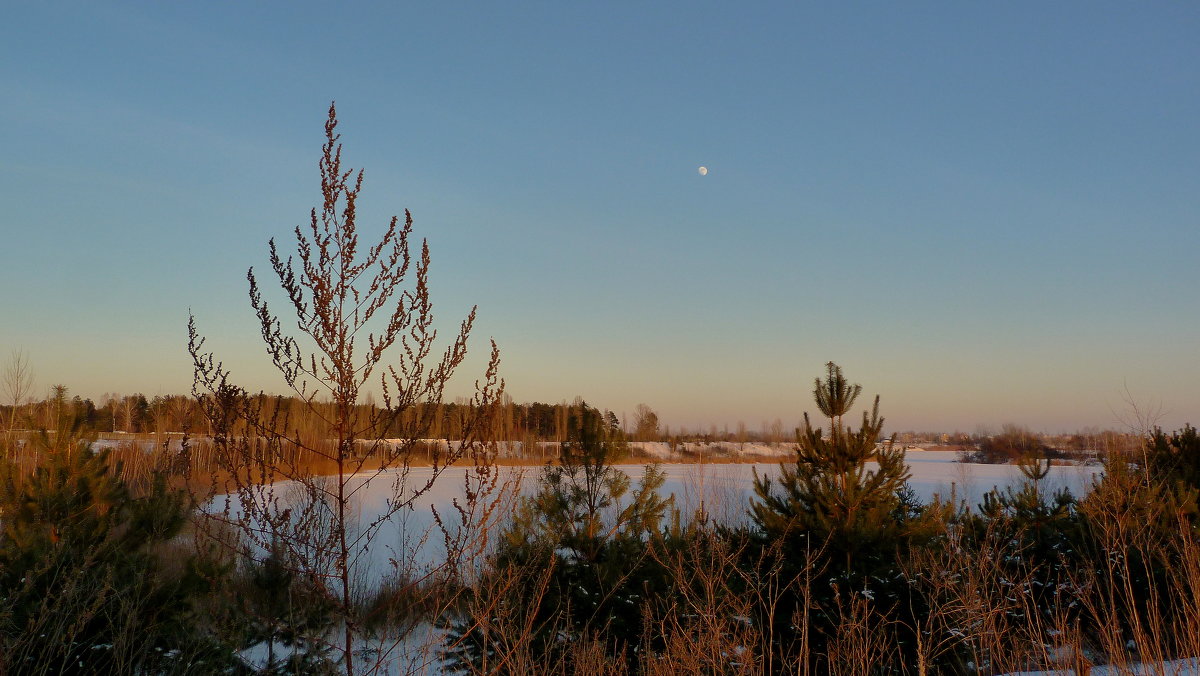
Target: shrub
x: 83, y: 572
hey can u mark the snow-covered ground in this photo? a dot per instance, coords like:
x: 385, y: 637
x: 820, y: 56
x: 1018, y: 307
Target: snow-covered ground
x: 689, y: 450
x: 1188, y: 667
x: 144, y: 443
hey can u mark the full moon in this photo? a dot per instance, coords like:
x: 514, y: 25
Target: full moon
x: 703, y: 171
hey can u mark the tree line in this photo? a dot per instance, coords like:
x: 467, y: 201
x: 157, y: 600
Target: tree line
x: 534, y: 423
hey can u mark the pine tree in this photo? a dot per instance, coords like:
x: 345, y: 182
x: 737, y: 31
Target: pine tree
x: 830, y: 498
x: 590, y: 531
x: 1039, y: 535
x: 285, y: 611
x: 82, y: 580
x: 1175, y: 457
x: 835, y: 521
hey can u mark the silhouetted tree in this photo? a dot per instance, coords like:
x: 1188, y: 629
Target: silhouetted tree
x: 832, y: 515
x: 363, y: 316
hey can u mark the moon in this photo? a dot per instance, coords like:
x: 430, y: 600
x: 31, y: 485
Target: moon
x: 703, y: 171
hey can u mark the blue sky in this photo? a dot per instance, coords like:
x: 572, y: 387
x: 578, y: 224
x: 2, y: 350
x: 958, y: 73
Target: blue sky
x: 986, y: 213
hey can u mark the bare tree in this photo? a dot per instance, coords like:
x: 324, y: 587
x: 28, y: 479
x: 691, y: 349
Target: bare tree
x: 363, y: 317
x: 646, y: 428
x: 128, y: 406
x: 1138, y: 417
x: 18, y: 381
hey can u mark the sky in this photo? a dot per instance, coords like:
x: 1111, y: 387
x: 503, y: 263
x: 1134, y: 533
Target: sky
x: 984, y: 212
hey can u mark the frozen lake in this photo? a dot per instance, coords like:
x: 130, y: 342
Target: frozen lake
x: 725, y: 489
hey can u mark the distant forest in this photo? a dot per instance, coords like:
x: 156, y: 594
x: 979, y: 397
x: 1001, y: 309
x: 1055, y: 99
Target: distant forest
x: 536, y: 422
